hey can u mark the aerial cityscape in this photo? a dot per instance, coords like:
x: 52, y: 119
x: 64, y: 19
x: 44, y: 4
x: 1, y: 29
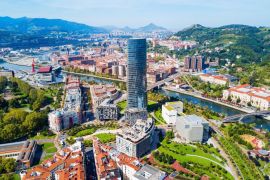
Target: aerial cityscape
x: 99, y: 91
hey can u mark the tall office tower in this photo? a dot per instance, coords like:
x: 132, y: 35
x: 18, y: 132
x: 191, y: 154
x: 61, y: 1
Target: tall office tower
x: 136, y: 74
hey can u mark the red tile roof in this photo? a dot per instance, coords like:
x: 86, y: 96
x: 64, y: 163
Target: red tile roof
x: 45, y: 69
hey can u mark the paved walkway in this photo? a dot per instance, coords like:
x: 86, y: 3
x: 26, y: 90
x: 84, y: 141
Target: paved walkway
x: 225, y: 167
x: 232, y: 169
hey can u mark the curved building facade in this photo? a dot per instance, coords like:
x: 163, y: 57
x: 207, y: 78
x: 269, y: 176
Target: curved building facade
x: 136, y: 74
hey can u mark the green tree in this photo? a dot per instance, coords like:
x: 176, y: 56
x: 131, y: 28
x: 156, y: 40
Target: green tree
x: 14, y: 103
x: 36, y: 105
x: 10, y: 164
x: 15, y: 116
x: 3, y: 104
x: 33, y: 95
x: 3, y: 83
x: 32, y: 121
x: 10, y: 132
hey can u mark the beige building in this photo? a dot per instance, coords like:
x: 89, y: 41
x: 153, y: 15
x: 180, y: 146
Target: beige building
x: 246, y: 94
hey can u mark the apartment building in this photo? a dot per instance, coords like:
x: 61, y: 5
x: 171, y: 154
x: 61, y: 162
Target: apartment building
x: 247, y: 95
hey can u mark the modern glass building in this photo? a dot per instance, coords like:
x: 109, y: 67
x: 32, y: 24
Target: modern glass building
x: 136, y: 74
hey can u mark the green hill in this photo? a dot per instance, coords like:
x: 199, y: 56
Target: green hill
x: 250, y: 44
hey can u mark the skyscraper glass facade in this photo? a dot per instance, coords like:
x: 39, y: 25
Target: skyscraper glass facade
x: 136, y: 74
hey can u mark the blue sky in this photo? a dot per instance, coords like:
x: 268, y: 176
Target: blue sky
x: 172, y: 14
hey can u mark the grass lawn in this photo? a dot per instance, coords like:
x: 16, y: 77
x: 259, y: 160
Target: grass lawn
x: 159, y: 116
x: 106, y: 137
x: 151, y: 106
x: 49, y: 148
x: 85, y: 132
x: 266, y: 169
x: 151, y: 103
x: 180, y: 151
x: 201, y: 157
x: 16, y: 177
x: 122, y: 106
x: 38, y: 137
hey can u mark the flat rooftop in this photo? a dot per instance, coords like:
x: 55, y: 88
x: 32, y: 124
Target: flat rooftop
x: 11, y: 147
x: 148, y: 172
x: 138, y: 131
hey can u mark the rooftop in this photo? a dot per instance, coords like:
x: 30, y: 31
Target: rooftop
x: 138, y: 131
x: 68, y: 161
x: 45, y: 69
x: 148, y: 172
x: 193, y: 120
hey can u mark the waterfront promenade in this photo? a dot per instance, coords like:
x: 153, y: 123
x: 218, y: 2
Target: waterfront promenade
x: 208, y: 99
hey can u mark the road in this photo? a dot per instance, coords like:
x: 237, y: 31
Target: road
x: 170, y: 78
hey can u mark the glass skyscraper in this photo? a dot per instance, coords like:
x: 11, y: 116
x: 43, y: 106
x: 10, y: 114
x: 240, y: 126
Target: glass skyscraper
x: 136, y: 74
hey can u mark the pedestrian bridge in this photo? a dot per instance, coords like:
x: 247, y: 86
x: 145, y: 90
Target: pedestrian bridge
x: 240, y: 117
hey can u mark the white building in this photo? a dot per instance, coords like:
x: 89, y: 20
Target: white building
x: 245, y: 94
x: 171, y: 111
x: 192, y: 128
x: 214, y: 79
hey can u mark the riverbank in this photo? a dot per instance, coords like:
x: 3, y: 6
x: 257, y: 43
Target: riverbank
x: 91, y: 75
x: 207, y: 99
x: 24, y: 61
x: 14, y: 67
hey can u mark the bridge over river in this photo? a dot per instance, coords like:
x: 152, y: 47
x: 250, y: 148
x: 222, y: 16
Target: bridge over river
x: 240, y: 117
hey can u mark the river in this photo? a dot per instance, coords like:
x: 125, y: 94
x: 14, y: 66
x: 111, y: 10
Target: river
x: 260, y: 123
x: 14, y: 67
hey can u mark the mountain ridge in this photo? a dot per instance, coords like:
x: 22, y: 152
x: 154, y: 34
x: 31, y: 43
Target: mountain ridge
x: 31, y: 25
x: 151, y: 27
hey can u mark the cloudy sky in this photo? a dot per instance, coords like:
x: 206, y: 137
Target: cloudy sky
x: 172, y: 14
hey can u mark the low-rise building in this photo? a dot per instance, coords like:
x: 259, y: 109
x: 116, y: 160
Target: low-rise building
x: 101, y: 92
x: 67, y: 163
x: 214, y: 79
x: 45, y: 74
x: 171, y: 111
x: 192, y: 128
x: 248, y: 95
x: 106, y: 167
x: 148, y: 172
x: 136, y: 140
x: 24, y: 152
x: 112, y: 164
